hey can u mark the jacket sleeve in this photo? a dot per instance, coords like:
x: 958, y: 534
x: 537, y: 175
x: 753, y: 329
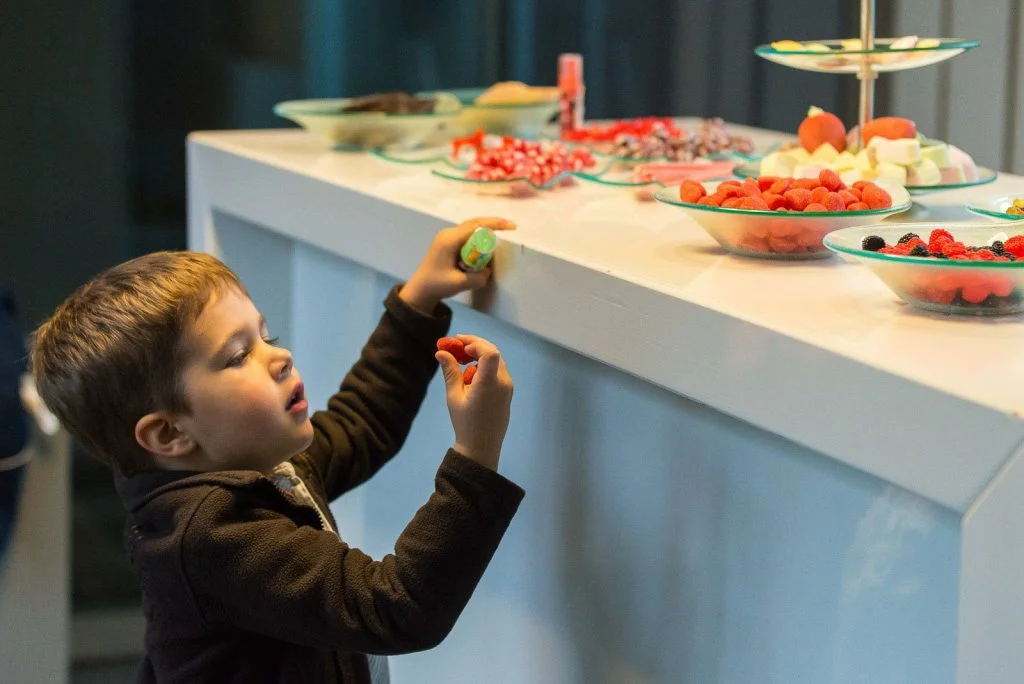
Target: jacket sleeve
x: 253, y: 568
x: 367, y: 420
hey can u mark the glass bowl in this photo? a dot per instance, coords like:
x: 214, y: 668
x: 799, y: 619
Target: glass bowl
x: 995, y: 207
x: 519, y: 120
x: 325, y: 119
x: 622, y: 183
x: 979, y: 288
x: 985, y: 176
x: 836, y: 59
x: 777, y: 234
x: 506, y: 187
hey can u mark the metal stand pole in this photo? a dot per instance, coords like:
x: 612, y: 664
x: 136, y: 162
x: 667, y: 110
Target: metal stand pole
x: 866, y: 75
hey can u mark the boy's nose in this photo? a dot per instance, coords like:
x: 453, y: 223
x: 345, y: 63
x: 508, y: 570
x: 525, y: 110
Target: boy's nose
x: 284, y: 366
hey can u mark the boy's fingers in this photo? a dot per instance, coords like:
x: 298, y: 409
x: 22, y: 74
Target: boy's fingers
x: 492, y: 222
x: 450, y: 369
x: 477, y: 347
x: 476, y: 280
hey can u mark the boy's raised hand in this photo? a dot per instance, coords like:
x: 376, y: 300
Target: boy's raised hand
x: 438, y: 276
x: 480, y: 411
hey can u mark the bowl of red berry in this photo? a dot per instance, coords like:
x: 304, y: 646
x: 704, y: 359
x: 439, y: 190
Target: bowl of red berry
x: 968, y: 268
x: 783, y: 218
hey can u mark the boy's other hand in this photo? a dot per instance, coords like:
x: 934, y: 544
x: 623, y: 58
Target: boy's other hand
x: 438, y: 276
x: 479, y: 412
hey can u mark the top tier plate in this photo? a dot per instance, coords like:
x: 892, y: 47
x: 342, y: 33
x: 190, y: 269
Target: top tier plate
x: 830, y: 56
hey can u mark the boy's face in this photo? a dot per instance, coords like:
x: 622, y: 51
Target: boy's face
x: 247, y: 406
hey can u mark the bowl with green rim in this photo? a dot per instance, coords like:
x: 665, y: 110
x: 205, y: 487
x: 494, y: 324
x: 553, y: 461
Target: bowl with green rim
x: 942, y: 285
x: 777, y: 234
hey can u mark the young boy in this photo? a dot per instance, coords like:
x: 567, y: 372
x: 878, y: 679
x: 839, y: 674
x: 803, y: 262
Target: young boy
x: 164, y: 369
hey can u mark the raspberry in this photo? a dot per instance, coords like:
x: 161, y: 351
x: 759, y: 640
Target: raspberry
x: 830, y: 179
x: 875, y: 197
x: 1015, y: 245
x: 454, y: 347
x: 857, y: 206
x: 833, y: 202
x: 939, y: 233
x: 755, y: 203
x: 467, y: 375
x: 1002, y: 287
x: 954, y: 249
x: 691, y: 191
x: 775, y: 202
x: 816, y: 207
x: 766, y: 182
x: 798, y: 198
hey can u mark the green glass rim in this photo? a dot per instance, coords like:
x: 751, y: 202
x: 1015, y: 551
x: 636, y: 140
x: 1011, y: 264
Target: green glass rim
x: 477, y: 181
x: 830, y: 242
x: 992, y: 213
x: 596, y: 178
x: 662, y: 196
x: 950, y: 44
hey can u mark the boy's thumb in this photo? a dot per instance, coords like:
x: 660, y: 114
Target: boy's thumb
x: 450, y: 370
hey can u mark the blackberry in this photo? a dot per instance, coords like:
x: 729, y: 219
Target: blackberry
x: 997, y: 247
x: 872, y: 243
x: 908, y: 237
x: 920, y: 251
x: 939, y: 255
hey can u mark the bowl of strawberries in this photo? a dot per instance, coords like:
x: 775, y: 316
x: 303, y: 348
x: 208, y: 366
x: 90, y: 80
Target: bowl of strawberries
x: 783, y: 218
x: 966, y: 268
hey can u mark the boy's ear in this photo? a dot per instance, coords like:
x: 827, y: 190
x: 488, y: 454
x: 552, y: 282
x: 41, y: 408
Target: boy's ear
x: 158, y: 434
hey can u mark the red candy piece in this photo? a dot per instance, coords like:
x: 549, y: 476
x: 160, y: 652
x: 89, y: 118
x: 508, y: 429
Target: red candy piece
x: 454, y: 347
x: 833, y: 202
x: 875, y: 197
x: 798, y: 198
x: 816, y: 207
x: 691, y: 191
x: 753, y: 203
x: 857, y: 206
x: 467, y: 375
x: 830, y: 179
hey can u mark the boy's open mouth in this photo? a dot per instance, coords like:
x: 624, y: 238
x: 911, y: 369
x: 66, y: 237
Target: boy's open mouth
x: 297, y: 400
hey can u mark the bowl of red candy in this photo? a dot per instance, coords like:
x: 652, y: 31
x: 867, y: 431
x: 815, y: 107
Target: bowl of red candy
x: 783, y: 218
x: 968, y: 268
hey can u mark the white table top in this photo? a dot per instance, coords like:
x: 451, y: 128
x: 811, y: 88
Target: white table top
x: 818, y: 352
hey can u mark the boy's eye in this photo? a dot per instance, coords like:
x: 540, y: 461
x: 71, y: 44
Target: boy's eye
x: 272, y: 341
x: 239, y: 358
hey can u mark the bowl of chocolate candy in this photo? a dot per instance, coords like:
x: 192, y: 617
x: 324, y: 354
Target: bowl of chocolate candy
x: 383, y: 120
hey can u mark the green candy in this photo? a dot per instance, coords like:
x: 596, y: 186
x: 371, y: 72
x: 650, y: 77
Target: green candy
x: 476, y: 253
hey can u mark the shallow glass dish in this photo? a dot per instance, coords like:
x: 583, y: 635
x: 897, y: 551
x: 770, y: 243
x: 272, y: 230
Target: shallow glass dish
x: 995, y: 207
x: 519, y: 120
x: 369, y: 130
x: 882, y: 58
x: 978, y: 288
x: 506, y: 187
x: 642, y: 191
x: 777, y: 234
x: 985, y: 176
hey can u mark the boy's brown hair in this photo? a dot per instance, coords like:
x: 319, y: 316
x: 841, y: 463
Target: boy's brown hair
x: 113, y: 351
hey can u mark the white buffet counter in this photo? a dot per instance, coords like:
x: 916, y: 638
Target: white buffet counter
x: 736, y: 470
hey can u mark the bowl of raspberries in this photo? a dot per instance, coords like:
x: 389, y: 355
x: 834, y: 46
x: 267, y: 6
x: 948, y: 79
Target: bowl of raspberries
x: 967, y: 268
x: 783, y: 218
